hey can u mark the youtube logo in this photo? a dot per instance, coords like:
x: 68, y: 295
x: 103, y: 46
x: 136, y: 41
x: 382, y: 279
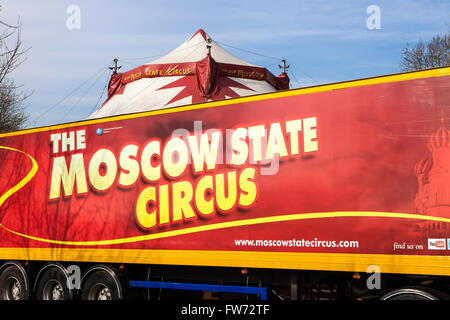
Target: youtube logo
x: 436, y: 244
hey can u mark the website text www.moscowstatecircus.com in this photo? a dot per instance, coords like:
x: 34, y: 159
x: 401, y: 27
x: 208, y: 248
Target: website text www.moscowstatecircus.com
x: 303, y: 243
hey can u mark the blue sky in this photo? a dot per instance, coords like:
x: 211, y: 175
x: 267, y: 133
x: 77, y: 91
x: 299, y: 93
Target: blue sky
x: 323, y: 41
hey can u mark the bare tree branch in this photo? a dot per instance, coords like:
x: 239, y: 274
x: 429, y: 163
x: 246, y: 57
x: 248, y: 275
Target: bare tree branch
x: 7, y: 25
x: 12, y: 55
x: 435, y: 54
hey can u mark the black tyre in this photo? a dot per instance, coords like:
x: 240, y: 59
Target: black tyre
x: 53, y: 285
x: 410, y: 294
x: 101, y: 285
x: 13, y: 284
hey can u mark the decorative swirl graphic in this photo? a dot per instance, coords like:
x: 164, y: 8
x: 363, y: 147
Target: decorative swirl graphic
x: 22, y: 182
x: 19, y: 185
x: 216, y: 226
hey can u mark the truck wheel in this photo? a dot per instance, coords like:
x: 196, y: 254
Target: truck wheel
x: 100, y: 285
x: 53, y: 286
x: 410, y: 294
x: 13, y: 284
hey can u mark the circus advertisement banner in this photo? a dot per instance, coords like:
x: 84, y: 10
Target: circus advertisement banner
x: 359, y: 168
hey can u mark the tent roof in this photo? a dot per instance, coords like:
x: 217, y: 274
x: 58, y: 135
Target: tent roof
x: 189, y: 74
x: 194, y: 49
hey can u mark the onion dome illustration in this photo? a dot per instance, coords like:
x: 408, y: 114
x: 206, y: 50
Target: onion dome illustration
x: 441, y: 138
x: 423, y: 166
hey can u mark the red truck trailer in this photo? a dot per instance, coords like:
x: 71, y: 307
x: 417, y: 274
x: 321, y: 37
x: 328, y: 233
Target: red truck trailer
x: 338, y: 191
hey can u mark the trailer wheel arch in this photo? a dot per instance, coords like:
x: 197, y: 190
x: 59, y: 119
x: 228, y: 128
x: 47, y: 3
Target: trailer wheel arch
x: 422, y: 293
x: 42, y: 271
x: 23, y: 280
x: 109, y: 271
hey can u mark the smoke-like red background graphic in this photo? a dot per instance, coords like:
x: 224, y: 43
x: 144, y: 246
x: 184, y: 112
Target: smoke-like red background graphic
x: 381, y: 148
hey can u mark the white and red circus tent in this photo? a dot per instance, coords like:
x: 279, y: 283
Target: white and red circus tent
x: 197, y: 71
